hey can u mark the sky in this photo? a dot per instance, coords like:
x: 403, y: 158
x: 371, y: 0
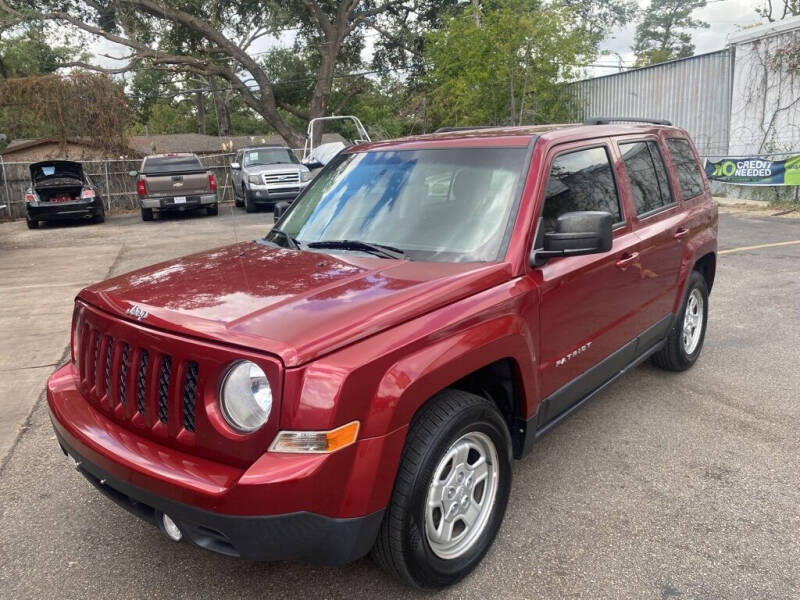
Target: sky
x: 723, y: 16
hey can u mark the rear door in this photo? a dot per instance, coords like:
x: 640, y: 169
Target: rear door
x: 588, y: 319
x: 659, y: 221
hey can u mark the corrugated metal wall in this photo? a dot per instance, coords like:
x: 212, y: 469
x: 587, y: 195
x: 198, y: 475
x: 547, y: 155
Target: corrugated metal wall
x: 693, y: 93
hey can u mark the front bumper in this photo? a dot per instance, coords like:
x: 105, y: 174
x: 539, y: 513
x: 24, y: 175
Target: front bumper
x: 321, y: 508
x: 269, y: 196
x: 59, y: 211
x: 300, y: 535
x: 168, y: 203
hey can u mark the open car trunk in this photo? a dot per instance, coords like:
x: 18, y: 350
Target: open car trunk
x: 62, y: 191
x: 58, y: 180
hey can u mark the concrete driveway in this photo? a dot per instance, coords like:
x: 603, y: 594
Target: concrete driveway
x: 664, y: 486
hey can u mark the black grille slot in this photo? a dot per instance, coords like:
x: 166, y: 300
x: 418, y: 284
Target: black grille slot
x: 123, y: 372
x: 95, y: 357
x: 141, y: 381
x: 163, y: 388
x: 189, y: 395
x: 107, y: 365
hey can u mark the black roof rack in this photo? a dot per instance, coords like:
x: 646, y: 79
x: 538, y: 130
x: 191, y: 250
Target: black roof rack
x: 469, y: 128
x: 608, y: 120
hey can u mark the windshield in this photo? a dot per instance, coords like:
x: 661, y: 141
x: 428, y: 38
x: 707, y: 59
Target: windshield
x: 440, y: 205
x: 268, y: 156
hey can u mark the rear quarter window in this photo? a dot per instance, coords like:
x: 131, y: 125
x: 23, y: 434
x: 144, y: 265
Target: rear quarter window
x: 159, y: 165
x: 686, y: 167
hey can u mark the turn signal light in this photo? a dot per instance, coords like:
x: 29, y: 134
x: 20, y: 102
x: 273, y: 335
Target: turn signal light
x: 316, y: 442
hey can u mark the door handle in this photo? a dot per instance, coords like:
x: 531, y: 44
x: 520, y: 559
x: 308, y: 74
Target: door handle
x: 623, y: 262
x: 681, y: 233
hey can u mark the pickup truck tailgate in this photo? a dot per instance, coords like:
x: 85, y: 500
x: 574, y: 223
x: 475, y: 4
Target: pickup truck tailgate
x: 184, y: 184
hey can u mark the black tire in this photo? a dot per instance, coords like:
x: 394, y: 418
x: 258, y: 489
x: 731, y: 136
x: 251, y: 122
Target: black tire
x: 147, y: 214
x: 248, y: 205
x: 402, y: 548
x: 99, y: 217
x: 237, y: 200
x: 32, y: 223
x: 212, y: 210
x: 674, y: 356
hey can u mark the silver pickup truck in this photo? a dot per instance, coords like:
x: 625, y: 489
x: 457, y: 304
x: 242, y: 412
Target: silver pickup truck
x: 175, y: 182
x: 264, y: 175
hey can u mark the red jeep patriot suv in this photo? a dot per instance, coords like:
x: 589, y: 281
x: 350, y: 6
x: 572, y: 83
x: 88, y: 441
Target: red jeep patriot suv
x: 361, y: 378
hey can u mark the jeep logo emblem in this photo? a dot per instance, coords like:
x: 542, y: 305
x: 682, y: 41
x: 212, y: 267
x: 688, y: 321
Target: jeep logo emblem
x: 137, y: 312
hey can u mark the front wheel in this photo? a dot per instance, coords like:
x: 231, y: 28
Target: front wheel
x: 450, y: 493
x: 685, y: 341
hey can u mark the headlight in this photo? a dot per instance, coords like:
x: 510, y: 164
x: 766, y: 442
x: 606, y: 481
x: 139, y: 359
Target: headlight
x: 305, y: 175
x: 255, y: 179
x: 246, y: 396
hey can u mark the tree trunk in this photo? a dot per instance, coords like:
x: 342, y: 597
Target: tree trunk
x: 201, y: 113
x: 324, y: 84
x: 221, y: 106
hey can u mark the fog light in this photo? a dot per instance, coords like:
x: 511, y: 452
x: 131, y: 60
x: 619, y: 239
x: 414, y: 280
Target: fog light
x: 171, y: 528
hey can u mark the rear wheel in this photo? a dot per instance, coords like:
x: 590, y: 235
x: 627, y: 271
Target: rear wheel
x: 32, y: 223
x: 147, y: 214
x: 450, y: 493
x: 100, y: 216
x: 212, y: 209
x: 685, y: 341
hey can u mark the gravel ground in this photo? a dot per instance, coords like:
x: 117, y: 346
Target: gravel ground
x: 664, y: 486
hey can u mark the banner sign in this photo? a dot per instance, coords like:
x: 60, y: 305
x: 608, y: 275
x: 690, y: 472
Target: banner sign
x: 755, y: 171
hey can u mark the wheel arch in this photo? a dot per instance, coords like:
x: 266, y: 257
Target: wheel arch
x: 706, y: 265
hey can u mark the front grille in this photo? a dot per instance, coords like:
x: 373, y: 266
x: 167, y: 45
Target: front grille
x: 270, y: 178
x: 159, y: 386
x: 189, y: 395
x: 163, y: 388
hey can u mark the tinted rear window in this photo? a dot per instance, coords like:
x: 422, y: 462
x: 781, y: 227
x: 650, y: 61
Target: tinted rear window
x: 686, y: 166
x: 171, y: 164
x: 647, y: 176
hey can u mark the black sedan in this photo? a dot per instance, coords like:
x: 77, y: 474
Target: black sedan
x: 60, y: 190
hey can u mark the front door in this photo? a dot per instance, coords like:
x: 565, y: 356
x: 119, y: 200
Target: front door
x: 589, y: 304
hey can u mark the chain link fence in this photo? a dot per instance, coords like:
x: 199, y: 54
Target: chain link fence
x: 117, y: 187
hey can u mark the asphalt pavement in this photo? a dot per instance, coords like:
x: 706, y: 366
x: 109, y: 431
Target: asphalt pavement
x: 664, y: 486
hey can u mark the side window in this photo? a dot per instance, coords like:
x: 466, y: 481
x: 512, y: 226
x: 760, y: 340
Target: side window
x: 686, y: 166
x: 647, y: 176
x: 580, y: 180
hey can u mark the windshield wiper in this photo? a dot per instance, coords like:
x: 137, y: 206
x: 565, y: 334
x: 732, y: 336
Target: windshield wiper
x: 376, y: 249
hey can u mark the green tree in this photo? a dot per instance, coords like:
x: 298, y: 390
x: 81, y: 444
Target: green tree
x: 30, y: 51
x: 663, y: 32
x: 505, y: 65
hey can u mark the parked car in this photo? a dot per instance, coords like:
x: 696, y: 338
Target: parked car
x: 263, y: 175
x: 175, y: 182
x: 61, y: 191
x: 362, y: 377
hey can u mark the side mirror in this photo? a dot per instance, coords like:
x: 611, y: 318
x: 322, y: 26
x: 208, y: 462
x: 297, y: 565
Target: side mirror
x: 313, y: 164
x: 235, y: 166
x: 577, y: 233
x: 279, y: 209
x: 133, y: 173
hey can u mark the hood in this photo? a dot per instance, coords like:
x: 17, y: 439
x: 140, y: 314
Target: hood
x: 56, y: 169
x: 276, y: 168
x: 296, y: 305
